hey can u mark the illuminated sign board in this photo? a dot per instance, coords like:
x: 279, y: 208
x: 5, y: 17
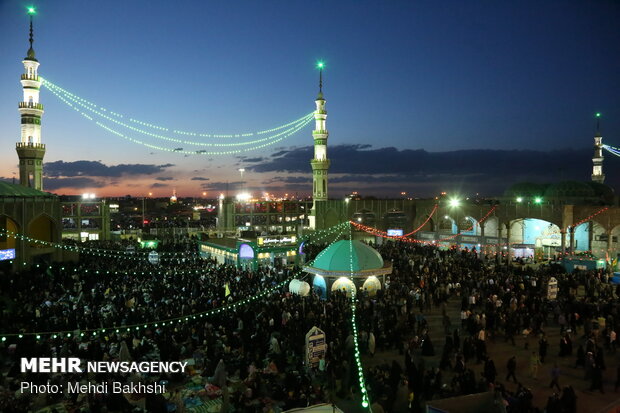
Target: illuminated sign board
x: 395, y: 232
x: 7, y: 254
x: 283, y: 240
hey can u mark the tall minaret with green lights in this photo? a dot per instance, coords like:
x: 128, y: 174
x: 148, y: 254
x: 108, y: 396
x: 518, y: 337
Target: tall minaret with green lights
x: 30, y: 149
x: 597, y: 159
x: 320, y: 163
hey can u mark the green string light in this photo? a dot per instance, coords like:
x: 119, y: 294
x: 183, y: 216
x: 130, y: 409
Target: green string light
x: 320, y: 235
x: 139, y: 255
x: 57, y: 90
x: 358, y: 359
x: 203, y: 152
x: 303, y: 120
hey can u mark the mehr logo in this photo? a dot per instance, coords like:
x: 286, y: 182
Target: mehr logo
x: 51, y: 365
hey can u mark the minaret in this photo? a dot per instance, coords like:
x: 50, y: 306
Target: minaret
x: 320, y: 163
x: 30, y: 149
x: 597, y: 159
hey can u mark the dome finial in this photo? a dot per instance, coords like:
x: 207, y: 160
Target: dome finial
x: 320, y: 65
x: 31, y: 12
x: 598, y: 123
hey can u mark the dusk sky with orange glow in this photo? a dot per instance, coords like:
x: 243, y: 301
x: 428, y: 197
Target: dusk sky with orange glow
x: 421, y: 96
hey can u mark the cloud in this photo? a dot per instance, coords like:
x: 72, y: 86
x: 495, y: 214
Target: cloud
x: 199, y: 178
x: 164, y: 178
x: 158, y: 185
x: 96, y: 168
x: 82, y: 182
x: 254, y: 160
x: 362, y: 159
x: 387, y: 171
x: 221, y: 186
x: 289, y: 180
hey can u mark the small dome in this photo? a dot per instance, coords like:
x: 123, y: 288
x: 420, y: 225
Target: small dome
x: 30, y: 55
x: 526, y: 189
x: 337, y: 257
x: 570, y: 189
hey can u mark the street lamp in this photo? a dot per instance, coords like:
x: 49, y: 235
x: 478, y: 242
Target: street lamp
x: 538, y: 200
x: 454, y: 202
x: 519, y: 199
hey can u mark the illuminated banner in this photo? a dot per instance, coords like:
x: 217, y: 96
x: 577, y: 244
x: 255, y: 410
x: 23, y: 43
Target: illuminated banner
x: 153, y: 257
x: 7, y: 254
x: 283, y: 240
x: 395, y: 232
x: 149, y: 244
x: 316, y: 346
x: 552, y: 289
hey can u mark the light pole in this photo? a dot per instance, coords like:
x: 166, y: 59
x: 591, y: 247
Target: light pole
x: 144, y: 209
x: 241, y: 171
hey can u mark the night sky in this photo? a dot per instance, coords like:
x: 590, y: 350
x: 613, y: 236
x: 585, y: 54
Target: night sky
x: 466, y: 96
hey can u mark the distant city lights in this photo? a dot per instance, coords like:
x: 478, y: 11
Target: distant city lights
x: 244, y: 196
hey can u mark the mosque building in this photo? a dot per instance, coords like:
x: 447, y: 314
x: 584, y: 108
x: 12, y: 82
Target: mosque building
x: 528, y: 220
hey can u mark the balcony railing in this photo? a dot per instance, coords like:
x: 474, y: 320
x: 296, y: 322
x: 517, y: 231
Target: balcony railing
x: 30, y: 77
x: 30, y: 145
x: 319, y: 132
x: 30, y: 105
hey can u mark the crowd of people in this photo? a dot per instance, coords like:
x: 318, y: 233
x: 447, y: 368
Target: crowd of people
x: 253, y: 356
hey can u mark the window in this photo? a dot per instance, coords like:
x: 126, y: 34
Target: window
x: 324, y: 187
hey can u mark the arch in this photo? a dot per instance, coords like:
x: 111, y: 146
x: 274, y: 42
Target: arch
x: 468, y: 222
x: 614, y: 244
x: 598, y: 239
x: 344, y: 284
x: 447, y: 224
x: 319, y: 286
x: 534, y: 238
x: 491, y: 227
x: 430, y: 225
x: 246, y: 251
x: 372, y: 285
x: 8, y: 224
x: 43, y: 228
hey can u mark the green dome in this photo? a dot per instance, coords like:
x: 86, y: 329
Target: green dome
x: 337, y: 257
x: 7, y: 189
x: 601, y: 190
x: 526, y: 189
x: 570, y: 189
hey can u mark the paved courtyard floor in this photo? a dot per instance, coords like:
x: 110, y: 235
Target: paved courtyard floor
x: 500, y: 352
